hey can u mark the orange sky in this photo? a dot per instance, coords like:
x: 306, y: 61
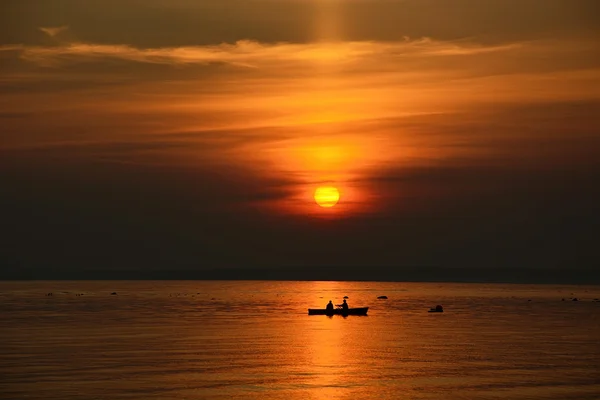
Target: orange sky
x: 404, y: 106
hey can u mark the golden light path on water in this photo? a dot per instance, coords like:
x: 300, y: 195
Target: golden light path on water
x: 254, y: 340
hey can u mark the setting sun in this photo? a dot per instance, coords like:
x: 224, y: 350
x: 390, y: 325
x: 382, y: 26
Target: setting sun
x: 327, y: 196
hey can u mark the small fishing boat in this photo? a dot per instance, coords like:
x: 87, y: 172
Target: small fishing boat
x: 437, y: 308
x: 338, y: 311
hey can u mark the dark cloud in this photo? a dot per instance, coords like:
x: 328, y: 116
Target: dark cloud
x: 520, y: 207
x: 111, y: 215
x: 182, y: 23
x: 15, y: 115
x: 71, y: 210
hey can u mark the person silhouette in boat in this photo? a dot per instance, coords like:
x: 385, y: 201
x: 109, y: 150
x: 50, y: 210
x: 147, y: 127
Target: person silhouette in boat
x: 329, y: 307
x: 344, y: 306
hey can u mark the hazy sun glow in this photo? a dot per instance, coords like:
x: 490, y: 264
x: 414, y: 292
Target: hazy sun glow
x: 327, y: 196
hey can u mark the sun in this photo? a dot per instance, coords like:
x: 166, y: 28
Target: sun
x: 327, y: 196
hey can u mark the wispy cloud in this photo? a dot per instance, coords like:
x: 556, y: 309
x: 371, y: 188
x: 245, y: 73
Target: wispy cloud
x: 54, y: 31
x: 249, y: 53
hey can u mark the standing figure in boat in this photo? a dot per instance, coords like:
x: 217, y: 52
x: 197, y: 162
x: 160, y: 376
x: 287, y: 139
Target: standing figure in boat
x: 329, y: 307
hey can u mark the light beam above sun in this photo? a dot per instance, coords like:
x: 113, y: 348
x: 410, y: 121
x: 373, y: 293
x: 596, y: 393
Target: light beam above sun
x: 327, y: 197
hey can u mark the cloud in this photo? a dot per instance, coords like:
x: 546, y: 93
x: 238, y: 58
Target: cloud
x: 54, y: 31
x: 250, y: 53
x: 186, y: 22
x: 12, y: 47
x: 381, y: 64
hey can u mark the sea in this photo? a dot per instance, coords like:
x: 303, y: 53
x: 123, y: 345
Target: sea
x: 255, y: 340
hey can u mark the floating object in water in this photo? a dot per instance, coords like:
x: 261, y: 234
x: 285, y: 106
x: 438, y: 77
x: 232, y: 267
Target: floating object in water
x: 382, y: 297
x: 575, y: 299
x: 437, y: 308
x: 113, y: 293
x: 345, y: 297
x: 338, y: 311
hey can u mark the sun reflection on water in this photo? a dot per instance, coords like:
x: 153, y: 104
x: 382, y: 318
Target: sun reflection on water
x: 328, y: 356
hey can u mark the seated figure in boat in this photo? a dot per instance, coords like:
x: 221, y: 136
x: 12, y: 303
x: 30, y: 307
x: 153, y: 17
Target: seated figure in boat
x: 329, y: 307
x: 344, y: 305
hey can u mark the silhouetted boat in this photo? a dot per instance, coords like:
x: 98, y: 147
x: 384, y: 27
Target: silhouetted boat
x: 338, y: 311
x: 437, y: 308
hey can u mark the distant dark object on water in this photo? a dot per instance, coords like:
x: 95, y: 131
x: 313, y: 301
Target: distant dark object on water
x: 382, y: 297
x: 563, y: 299
x: 575, y: 299
x: 437, y: 308
x: 49, y: 294
x: 113, y: 293
x: 345, y: 297
x: 338, y: 311
x: 529, y: 300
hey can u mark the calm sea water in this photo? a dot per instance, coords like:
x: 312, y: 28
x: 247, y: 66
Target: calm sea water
x: 254, y: 340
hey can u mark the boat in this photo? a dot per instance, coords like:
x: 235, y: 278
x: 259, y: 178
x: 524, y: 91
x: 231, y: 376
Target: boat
x: 437, y: 308
x: 339, y: 311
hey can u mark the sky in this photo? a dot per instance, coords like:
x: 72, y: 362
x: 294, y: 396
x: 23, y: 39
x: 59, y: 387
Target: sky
x: 193, y: 134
